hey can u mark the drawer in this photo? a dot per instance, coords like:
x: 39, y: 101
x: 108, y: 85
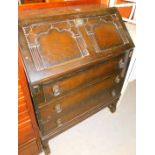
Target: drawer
x: 21, y: 100
x: 22, y: 108
x: 57, y: 88
x: 29, y: 149
x: 80, y: 110
x: 22, y: 116
x: 73, y: 99
x: 25, y: 132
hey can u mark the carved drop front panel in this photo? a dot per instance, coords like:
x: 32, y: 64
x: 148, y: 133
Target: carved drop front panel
x: 56, y: 42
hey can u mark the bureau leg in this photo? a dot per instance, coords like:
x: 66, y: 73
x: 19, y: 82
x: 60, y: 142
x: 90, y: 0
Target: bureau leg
x: 46, y: 148
x: 112, y: 107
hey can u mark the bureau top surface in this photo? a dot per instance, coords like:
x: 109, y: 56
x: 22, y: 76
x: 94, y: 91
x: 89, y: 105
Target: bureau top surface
x: 54, y: 42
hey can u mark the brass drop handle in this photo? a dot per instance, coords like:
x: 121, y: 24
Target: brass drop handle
x: 113, y: 93
x: 117, y: 79
x: 58, y: 108
x: 121, y: 64
x: 59, y: 122
x: 56, y: 90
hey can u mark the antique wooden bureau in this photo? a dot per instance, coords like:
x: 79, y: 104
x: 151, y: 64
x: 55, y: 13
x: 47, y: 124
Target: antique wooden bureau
x: 75, y: 59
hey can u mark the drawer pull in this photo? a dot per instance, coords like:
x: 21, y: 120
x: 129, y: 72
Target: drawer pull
x: 58, y: 108
x: 113, y: 93
x: 56, y: 90
x: 59, y: 123
x: 121, y: 64
x: 117, y: 79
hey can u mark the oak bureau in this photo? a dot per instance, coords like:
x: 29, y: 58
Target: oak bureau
x: 75, y: 59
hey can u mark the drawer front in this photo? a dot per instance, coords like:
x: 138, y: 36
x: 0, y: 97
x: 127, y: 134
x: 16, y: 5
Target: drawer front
x: 25, y: 132
x: 54, y: 90
x: 24, y: 116
x: 66, y: 103
x: 22, y: 108
x: 29, y: 149
x: 80, y: 110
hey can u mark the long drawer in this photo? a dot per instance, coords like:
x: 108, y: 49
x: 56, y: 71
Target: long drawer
x: 53, y: 90
x: 103, y: 98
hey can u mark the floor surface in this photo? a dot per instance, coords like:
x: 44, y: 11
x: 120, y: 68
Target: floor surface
x: 103, y: 133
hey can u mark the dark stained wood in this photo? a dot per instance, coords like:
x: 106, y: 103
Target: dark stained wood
x: 73, y: 99
x: 41, y: 59
x: 67, y: 46
x: 75, y: 59
x: 112, y: 107
x: 28, y: 134
x: 76, y: 120
x: 77, y: 79
x: 77, y: 110
x: 103, y: 31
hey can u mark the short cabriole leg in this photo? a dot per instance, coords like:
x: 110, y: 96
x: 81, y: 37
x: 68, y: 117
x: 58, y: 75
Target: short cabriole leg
x: 46, y: 148
x: 112, y: 107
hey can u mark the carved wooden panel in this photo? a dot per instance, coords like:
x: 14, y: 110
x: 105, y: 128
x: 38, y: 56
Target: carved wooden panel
x: 53, y: 43
x: 105, y: 32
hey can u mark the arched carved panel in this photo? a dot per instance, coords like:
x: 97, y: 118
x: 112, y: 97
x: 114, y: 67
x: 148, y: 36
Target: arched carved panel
x: 58, y: 47
x: 107, y: 36
x: 54, y: 43
x: 105, y: 32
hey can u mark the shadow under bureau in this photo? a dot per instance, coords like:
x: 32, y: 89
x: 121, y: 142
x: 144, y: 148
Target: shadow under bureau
x: 75, y: 59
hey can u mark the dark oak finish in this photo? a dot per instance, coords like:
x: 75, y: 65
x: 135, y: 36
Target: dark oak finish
x: 28, y: 133
x: 75, y: 59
